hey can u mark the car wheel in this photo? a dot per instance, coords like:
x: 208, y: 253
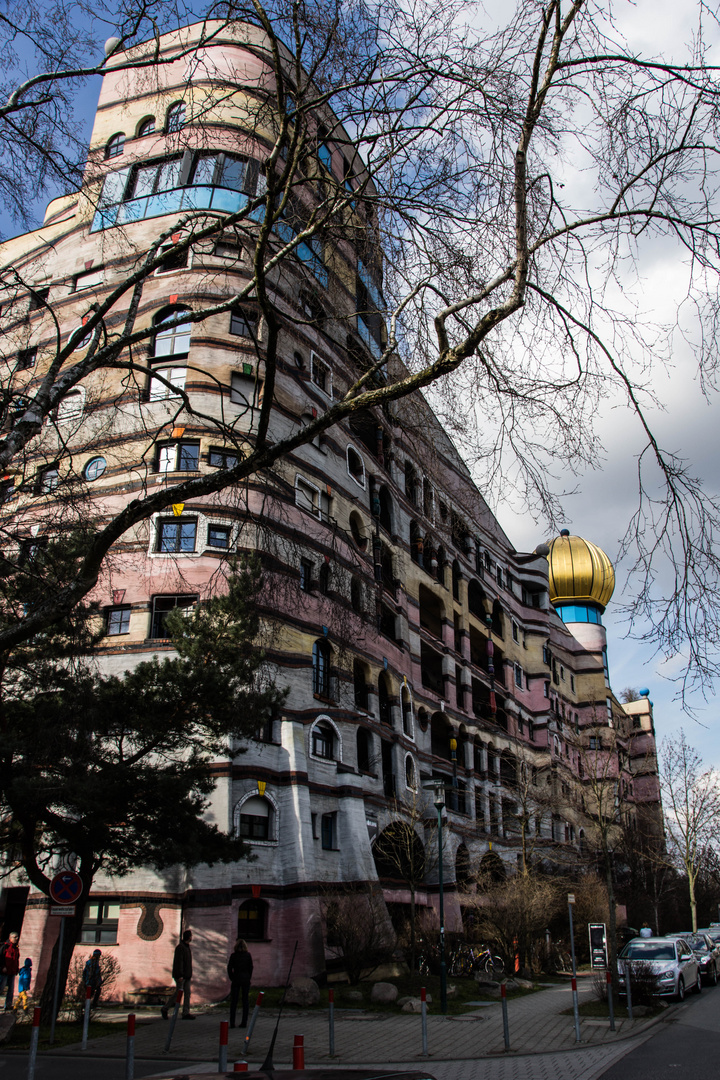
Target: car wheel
x: 697, y: 988
x: 680, y: 989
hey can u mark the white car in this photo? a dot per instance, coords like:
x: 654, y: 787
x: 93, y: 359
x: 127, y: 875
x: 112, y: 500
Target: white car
x: 671, y: 961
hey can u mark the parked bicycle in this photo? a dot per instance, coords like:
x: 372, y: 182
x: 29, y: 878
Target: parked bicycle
x: 469, y: 960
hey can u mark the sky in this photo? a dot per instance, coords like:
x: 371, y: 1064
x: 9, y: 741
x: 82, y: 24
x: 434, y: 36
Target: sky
x: 688, y: 425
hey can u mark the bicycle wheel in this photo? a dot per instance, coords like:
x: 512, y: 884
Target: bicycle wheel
x: 497, y: 964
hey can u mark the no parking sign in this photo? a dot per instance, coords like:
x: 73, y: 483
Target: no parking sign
x: 66, y: 887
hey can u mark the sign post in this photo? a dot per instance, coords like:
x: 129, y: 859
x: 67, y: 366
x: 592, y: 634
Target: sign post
x: 65, y: 888
x: 573, y: 981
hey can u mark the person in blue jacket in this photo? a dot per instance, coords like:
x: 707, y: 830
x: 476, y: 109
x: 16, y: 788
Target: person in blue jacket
x: 24, y: 980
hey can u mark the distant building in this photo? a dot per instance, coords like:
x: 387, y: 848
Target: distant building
x: 416, y: 642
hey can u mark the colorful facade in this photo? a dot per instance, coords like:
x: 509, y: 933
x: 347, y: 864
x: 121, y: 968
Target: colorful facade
x: 416, y: 643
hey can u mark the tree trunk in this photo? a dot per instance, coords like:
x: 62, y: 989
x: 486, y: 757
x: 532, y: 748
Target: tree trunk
x: 612, y: 918
x: 413, y: 939
x: 73, y: 925
x: 693, y: 901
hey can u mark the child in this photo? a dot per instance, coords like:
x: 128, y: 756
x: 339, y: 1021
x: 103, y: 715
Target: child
x: 24, y: 979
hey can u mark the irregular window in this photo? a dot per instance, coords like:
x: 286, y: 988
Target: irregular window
x: 162, y: 606
x: 176, y: 117
x: 177, y: 535
x: 115, y: 146
x: 118, y: 621
x: 172, y: 340
x: 244, y: 323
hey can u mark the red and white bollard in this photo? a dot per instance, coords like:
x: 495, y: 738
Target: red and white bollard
x: 130, y: 1051
x: 506, y: 1025
x: 222, y: 1052
x: 299, y: 1052
x: 34, y: 1036
x: 576, y: 1010
x: 86, y: 1017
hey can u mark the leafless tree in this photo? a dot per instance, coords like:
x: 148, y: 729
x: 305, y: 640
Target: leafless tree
x: 691, y: 801
x: 358, y: 931
x: 400, y: 853
x: 459, y: 145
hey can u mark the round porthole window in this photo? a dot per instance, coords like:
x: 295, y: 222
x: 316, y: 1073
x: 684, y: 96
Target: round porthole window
x: 95, y: 468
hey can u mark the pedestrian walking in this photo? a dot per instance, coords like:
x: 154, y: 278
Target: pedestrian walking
x: 182, y: 974
x: 24, y: 980
x: 9, y: 967
x: 239, y: 969
x: 92, y: 976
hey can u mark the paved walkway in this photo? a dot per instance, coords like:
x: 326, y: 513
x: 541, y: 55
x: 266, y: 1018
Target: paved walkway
x: 537, y: 1028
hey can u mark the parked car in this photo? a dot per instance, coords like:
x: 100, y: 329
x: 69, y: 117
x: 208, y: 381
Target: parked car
x: 712, y: 931
x: 707, y: 954
x: 671, y: 960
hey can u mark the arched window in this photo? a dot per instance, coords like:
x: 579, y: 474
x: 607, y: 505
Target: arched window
x: 356, y: 596
x: 411, y: 482
x: 115, y: 146
x: 355, y: 466
x: 463, y: 876
x: 252, y: 918
x: 71, y: 406
x: 147, y: 126
x: 360, y: 685
x: 407, y: 712
x: 441, y: 561
x: 410, y: 773
x: 172, y: 340
x: 428, y: 499
x: 440, y: 733
x: 364, y: 750
x: 175, y: 117
x: 384, y: 699
x: 385, y: 512
x: 321, y: 668
x: 417, y: 543
x: 476, y: 600
x: 497, y: 619
x: 323, y: 740
x: 456, y: 576
x: 357, y: 528
x: 256, y: 819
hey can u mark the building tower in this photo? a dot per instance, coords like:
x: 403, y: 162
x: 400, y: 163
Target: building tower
x: 416, y: 642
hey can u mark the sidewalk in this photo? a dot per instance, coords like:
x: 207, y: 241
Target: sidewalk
x: 536, y: 1028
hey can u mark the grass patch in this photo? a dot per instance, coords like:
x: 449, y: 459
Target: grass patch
x: 66, y: 1033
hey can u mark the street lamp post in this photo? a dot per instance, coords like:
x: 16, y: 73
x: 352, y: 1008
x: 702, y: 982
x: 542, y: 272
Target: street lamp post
x: 439, y: 799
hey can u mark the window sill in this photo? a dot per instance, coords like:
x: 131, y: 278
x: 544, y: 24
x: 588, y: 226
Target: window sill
x: 325, y: 700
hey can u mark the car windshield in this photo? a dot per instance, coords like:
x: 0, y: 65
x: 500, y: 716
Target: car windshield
x: 698, y: 944
x: 646, y: 950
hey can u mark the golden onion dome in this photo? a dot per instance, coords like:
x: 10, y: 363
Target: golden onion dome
x: 579, y: 572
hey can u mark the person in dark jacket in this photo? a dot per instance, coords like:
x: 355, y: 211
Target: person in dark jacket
x: 239, y: 969
x: 92, y: 977
x: 9, y: 967
x: 182, y: 974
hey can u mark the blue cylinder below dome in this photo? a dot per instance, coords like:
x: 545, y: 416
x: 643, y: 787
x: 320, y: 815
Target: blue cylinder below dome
x: 573, y: 613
